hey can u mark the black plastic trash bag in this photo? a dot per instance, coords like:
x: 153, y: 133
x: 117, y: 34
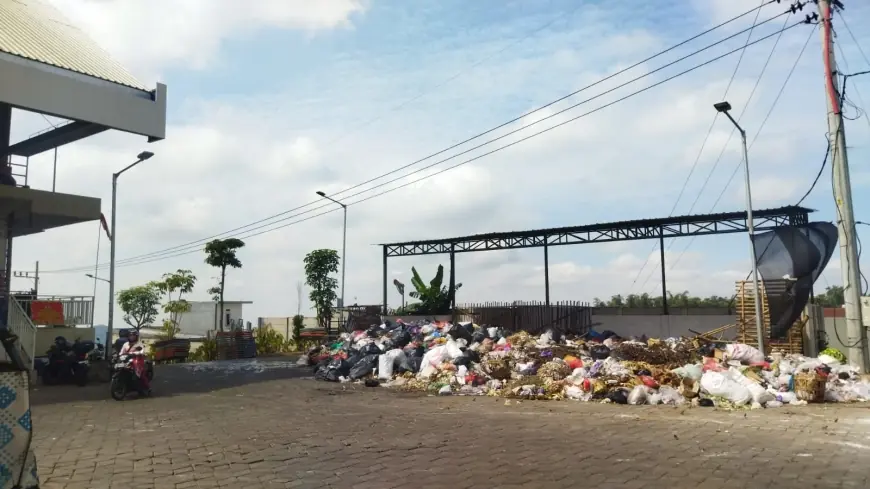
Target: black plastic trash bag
x: 373, y: 332
x: 414, y: 364
x: 417, y: 351
x: 322, y: 364
x: 599, y: 352
x: 354, y: 358
x: 364, y: 367
x: 371, y: 349
x: 462, y: 360
x: 618, y: 396
x: 339, y: 365
x: 327, y: 375
x: 458, y: 331
x: 400, y: 338
x: 479, y: 336
x: 473, y: 356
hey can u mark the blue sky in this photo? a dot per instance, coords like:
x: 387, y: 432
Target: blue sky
x: 269, y: 105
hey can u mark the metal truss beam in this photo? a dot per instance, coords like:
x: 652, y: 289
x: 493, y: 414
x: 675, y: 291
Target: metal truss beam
x: 674, y: 227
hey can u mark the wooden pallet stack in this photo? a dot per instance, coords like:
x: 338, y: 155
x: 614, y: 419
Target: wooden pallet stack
x: 747, y: 331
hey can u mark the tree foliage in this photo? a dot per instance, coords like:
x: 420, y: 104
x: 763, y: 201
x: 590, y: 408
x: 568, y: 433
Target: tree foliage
x: 298, y: 326
x: 319, y: 264
x: 270, y: 342
x: 682, y: 299
x: 221, y: 253
x: 174, y: 286
x: 434, y: 297
x: 139, y: 304
x: 832, y: 297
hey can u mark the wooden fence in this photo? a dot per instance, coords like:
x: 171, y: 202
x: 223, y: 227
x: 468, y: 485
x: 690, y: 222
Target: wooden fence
x: 570, y: 317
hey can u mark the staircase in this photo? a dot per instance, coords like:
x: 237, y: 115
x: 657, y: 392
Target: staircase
x: 21, y: 326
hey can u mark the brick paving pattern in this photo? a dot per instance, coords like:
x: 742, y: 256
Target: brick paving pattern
x: 211, y: 431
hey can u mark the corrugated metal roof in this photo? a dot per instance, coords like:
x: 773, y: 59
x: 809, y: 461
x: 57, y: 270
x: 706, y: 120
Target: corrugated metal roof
x: 37, y: 31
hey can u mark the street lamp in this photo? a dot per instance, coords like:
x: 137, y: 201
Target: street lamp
x: 343, y: 241
x: 113, y: 239
x: 724, y: 108
x: 97, y: 278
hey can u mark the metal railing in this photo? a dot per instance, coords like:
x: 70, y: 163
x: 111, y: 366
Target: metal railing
x: 22, y: 327
x: 77, y: 309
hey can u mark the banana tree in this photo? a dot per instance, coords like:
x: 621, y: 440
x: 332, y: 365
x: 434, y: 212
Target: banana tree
x: 435, y: 298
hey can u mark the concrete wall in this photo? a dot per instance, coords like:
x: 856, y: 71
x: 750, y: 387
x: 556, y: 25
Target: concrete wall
x: 660, y: 326
x: 45, y: 336
x: 284, y: 325
x: 201, y: 318
x: 652, y: 325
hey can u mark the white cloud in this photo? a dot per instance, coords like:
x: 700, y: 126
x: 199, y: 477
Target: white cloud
x: 150, y: 35
x: 231, y: 160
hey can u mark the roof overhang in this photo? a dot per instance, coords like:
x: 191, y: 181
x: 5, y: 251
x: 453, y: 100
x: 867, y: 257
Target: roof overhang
x: 35, y: 211
x: 92, y: 104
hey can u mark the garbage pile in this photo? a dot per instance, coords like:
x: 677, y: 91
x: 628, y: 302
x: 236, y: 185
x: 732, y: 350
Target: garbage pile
x: 466, y: 359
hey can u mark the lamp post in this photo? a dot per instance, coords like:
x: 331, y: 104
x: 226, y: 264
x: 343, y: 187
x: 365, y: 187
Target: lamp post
x: 343, y: 241
x: 91, y: 275
x: 113, y: 239
x: 724, y: 108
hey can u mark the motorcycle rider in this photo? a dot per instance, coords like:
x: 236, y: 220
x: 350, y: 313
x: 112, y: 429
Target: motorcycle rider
x: 136, y: 348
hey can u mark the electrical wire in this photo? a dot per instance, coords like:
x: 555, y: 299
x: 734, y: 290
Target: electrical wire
x: 860, y: 110
x: 475, y: 158
x: 725, y: 145
x: 703, y: 145
x: 461, y: 143
x: 754, y: 138
x: 855, y: 40
x: 456, y: 75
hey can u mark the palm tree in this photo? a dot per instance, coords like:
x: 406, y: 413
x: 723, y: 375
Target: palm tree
x: 221, y: 253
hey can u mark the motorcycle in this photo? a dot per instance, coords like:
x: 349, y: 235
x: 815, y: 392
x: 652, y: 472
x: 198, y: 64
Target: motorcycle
x: 67, y: 364
x: 124, y: 378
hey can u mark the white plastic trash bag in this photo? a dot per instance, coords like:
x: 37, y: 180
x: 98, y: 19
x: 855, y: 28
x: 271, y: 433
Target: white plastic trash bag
x: 637, y: 396
x: 431, y: 360
x: 720, y: 384
x: 388, y: 361
x: 691, y: 371
x: 453, y: 349
x: 758, y: 393
x: 743, y: 353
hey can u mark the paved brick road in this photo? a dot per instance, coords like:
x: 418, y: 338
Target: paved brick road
x: 272, y: 430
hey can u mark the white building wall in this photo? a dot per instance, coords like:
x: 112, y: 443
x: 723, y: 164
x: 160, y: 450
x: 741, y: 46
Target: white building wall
x: 202, y: 318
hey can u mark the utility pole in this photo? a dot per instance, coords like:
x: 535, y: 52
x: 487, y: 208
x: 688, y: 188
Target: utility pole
x: 32, y: 276
x: 855, y: 330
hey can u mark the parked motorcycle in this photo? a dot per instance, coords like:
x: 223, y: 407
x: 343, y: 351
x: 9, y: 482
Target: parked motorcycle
x: 124, y: 378
x: 67, y: 363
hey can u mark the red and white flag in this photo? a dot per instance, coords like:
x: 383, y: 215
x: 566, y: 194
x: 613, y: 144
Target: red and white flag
x: 105, y: 226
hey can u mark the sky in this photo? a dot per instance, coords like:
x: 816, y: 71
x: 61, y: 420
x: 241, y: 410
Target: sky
x: 271, y: 101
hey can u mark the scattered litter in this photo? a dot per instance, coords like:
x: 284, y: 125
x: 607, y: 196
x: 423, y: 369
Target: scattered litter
x: 470, y: 360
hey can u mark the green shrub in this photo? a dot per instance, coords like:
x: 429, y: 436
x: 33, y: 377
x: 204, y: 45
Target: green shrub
x: 269, y: 341
x: 206, y: 352
x: 298, y: 325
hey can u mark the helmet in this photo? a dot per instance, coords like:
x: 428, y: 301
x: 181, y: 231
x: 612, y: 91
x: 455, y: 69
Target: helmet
x: 132, y: 335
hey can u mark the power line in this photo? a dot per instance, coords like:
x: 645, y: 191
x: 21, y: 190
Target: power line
x: 456, y: 75
x: 703, y: 145
x: 854, y: 39
x: 730, y: 135
x: 508, y: 145
x: 839, y: 47
x: 754, y: 138
x: 461, y: 143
